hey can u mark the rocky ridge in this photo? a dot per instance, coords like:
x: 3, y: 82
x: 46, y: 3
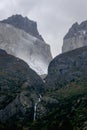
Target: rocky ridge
x: 76, y: 37
x: 23, y: 23
x: 67, y: 67
x: 21, y: 44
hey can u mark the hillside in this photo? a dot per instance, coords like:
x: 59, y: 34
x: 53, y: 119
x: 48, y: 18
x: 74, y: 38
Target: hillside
x: 65, y: 100
x: 67, y: 67
x: 20, y: 87
x: 59, y: 104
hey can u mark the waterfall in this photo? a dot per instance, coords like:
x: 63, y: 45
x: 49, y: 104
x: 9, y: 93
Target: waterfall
x: 35, y: 107
x: 39, y: 98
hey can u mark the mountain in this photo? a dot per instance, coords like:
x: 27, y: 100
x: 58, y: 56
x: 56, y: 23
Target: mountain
x: 26, y: 103
x: 23, y: 23
x: 76, y: 37
x: 59, y: 102
x: 67, y: 67
x: 25, y: 46
x: 65, y: 100
x: 20, y: 87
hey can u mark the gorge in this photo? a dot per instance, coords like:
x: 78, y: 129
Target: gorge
x: 56, y: 100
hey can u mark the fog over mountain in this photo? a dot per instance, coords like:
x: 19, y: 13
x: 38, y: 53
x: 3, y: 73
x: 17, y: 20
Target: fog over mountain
x: 31, y: 49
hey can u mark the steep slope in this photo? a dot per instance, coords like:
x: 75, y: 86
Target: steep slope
x: 76, y: 37
x: 32, y: 50
x: 65, y: 101
x: 25, y: 24
x: 20, y: 87
x: 68, y: 67
x: 66, y: 109
x: 63, y: 105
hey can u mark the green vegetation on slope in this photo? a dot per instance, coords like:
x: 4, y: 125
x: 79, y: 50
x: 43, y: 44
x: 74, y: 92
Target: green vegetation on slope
x: 71, y: 111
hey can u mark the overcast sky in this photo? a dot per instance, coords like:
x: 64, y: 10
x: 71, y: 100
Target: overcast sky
x: 54, y: 17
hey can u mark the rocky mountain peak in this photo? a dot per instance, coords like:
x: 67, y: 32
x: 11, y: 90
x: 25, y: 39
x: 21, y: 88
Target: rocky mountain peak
x: 24, y: 45
x: 76, y: 37
x: 25, y: 24
x: 72, y: 30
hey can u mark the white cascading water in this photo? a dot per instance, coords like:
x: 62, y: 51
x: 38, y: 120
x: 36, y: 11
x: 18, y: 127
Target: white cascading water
x: 35, y: 107
x: 35, y: 110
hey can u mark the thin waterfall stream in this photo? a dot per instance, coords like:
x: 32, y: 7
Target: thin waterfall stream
x: 35, y: 107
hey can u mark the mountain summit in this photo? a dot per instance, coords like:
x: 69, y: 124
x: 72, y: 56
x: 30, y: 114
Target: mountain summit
x: 23, y: 23
x: 21, y: 44
x: 76, y: 37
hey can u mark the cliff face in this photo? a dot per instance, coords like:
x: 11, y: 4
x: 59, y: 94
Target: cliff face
x: 25, y: 24
x: 21, y: 44
x: 76, y: 37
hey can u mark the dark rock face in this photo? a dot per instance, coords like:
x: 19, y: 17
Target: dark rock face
x: 67, y: 67
x: 74, y: 29
x: 20, y: 87
x: 25, y: 24
x: 76, y: 37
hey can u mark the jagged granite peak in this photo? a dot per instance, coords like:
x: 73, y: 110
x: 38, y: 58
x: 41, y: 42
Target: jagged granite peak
x: 23, y: 45
x: 76, y: 37
x: 67, y: 67
x: 74, y: 29
x: 20, y: 87
x: 25, y: 24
